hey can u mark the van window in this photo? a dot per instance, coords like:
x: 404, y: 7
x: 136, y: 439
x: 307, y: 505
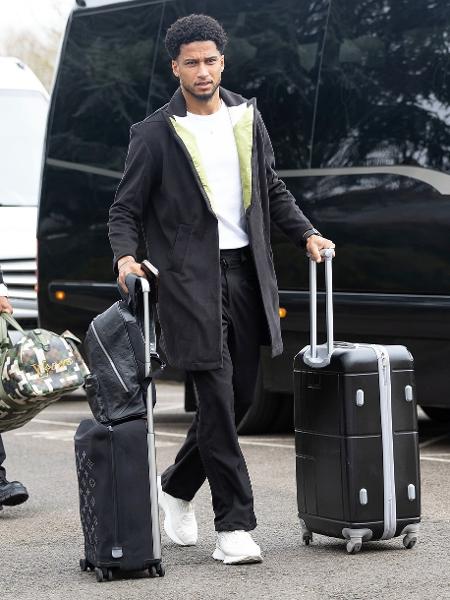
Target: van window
x: 382, y: 126
x: 385, y: 86
x: 23, y: 117
x: 273, y: 55
x: 103, y: 86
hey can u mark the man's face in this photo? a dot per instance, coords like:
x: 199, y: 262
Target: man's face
x: 199, y: 67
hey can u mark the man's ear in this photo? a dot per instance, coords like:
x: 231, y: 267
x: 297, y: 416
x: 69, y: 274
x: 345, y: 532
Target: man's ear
x: 175, y: 69
x: 222, y: 60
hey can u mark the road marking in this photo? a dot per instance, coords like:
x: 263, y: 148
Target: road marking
x: 47, y: 422
x: 66, y: 435
x: 243, y: 442
x: 88, y: 413
x: 435, y: 459
x: 437, y: 454
x: 246, y: 442
x: 433, y: 441
x: 67, y: 412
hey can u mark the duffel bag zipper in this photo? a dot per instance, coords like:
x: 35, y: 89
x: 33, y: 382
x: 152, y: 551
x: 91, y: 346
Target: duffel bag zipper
x: 116, y: 551
x: 113, y: 366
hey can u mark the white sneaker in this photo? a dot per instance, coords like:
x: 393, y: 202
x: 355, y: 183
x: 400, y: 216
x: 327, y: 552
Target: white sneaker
x: 180, y: 523
x: 236, y: 548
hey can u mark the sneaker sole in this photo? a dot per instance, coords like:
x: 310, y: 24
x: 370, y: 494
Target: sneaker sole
x: 14, y: 499
x: 235, y: 560
x: 168, y: 524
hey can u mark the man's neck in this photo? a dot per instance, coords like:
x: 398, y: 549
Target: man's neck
x: 202, y: 107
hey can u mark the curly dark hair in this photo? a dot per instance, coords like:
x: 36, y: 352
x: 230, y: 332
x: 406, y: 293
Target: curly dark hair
x: 194, y: 28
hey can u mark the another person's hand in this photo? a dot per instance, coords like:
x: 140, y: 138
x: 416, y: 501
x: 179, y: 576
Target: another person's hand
x: 5, y: 305
x: 316, y: 243
x: 127, y: 265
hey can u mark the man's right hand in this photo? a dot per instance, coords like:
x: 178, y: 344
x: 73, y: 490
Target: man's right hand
x: 127, y: 265
x: 5, y: 305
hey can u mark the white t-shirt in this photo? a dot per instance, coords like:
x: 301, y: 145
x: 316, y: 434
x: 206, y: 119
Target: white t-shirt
x: 216, y: 143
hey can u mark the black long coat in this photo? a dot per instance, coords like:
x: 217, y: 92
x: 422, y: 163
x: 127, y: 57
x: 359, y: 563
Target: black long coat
x: 164, y: 196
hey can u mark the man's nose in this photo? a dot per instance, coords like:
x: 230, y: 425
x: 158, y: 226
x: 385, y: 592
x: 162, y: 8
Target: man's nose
x: 202, y: 70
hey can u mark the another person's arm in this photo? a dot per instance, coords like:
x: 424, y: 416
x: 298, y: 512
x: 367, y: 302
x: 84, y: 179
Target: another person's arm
x: 5, y: 305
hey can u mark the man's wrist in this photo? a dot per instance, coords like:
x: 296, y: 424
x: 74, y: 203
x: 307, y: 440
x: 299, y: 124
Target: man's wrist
x: 124, y: 260
x: 310, y: 232
x: 3, y: 290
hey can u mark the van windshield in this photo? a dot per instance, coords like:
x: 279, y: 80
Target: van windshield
x: 23, y: 116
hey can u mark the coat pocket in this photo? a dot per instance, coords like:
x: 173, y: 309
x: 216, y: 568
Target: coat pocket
x: 180, y: 247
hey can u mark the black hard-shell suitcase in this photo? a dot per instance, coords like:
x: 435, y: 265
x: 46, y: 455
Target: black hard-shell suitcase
x: 116, y: 466
x: 357, y: 453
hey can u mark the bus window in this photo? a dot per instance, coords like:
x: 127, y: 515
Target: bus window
x: 379, y: 178
x: 384, y: 93
x: 273, y: 55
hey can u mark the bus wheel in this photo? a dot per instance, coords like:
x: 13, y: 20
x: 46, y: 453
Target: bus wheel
x: 262, y: 413
x: 437, y: 413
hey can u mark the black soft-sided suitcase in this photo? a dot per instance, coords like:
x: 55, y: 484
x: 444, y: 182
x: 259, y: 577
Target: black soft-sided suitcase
x: 116, y: 466
x: 357, y: 454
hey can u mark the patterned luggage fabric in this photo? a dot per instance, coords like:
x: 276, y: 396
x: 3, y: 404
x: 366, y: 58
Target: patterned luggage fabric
x: 34, y: 372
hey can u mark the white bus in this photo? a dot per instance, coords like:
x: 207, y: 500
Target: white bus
x: 23, y: 116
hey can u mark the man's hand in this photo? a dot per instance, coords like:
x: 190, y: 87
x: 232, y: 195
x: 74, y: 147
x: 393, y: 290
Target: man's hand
x: 316, y: 243
x: 5, y: 305
x: 128, y: 265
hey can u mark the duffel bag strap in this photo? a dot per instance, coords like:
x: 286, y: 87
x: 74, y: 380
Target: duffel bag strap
x: 4, y: 339
x: 5, y: 320
x: 10, y: 320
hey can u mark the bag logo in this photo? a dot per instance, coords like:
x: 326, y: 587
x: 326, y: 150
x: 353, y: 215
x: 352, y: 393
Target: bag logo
x: 45, y: 368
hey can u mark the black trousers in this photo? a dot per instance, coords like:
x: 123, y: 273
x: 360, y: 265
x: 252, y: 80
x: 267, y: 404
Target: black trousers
x: 2, y: 455
x: 211, y: 449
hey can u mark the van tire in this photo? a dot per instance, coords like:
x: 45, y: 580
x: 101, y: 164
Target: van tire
x: 259, y: 417
x: 270, y: 412
x: 437, y: 413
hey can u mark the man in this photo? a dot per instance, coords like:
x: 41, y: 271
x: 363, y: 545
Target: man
x: 11, y: 492
x: 200, y: 182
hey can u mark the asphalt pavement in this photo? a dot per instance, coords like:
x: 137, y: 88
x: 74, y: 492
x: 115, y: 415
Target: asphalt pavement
x: 41, y: 541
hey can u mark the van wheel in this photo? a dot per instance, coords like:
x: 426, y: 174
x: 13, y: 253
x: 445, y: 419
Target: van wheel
x: 263, y: 412
x: 437, y: 413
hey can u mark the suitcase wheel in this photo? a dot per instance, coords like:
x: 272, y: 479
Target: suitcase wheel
x: 354, y: 546
x: 409, y: 541
x: 307, y: 538
x: 85, y: 565
x: 155, y: 571
x: 103, y: 574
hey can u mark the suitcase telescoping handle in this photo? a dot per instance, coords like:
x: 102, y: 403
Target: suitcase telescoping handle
x: 315, y: 355
x: 150, y: 349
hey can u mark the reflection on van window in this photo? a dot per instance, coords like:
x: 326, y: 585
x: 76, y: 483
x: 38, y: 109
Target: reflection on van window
x: 116, y: 71
x: 272, y: 55
x: 384, y: 97
x: 103, y: 86
x: 22, y: 128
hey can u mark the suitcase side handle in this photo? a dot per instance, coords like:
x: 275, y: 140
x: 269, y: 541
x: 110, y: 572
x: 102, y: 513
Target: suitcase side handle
x: 319, y: 356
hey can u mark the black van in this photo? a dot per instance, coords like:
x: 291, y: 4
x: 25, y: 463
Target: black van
x: 356, y: 97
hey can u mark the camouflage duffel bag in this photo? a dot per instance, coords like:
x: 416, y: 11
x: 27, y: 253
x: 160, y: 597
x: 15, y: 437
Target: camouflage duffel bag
x: 35, y: 371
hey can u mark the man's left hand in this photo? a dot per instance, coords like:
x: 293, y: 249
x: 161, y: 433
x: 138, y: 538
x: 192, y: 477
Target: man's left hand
x: 316, y: 243
x: 5, y: 305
